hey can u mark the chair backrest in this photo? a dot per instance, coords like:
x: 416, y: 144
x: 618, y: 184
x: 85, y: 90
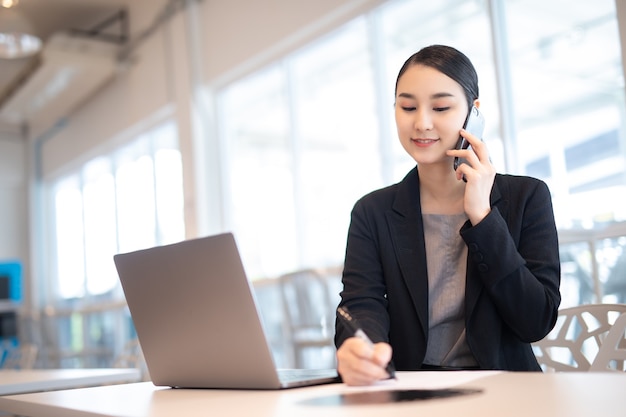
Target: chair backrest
x: 577, y: 337
x: 306, y: 301
x: 612, y: 353
x: 309, y: 316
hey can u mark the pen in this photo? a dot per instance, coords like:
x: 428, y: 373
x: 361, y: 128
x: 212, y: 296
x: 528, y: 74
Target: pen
x: 353, y: 325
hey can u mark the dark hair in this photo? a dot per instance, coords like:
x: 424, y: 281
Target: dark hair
x: 450, y: 62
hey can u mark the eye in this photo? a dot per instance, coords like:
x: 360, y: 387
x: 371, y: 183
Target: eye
x: 408, y: 108
x: 440, y: 109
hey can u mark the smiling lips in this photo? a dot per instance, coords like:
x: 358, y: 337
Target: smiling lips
x: 424, y: 142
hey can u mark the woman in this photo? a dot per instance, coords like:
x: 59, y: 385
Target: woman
x: 448, y: 269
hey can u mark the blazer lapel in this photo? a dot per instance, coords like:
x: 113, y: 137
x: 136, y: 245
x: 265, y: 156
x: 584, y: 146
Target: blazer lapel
x: 407, y: 235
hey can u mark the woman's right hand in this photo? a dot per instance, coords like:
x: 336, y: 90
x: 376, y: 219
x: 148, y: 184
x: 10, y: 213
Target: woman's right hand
x: 359, y: 363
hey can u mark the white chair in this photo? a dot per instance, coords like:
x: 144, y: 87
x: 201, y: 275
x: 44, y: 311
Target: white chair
x: 612, y: 353
x: 577, y: 337
x: 309, y: 318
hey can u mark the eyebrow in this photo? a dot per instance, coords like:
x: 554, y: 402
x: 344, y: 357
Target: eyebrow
x: 434, y: 96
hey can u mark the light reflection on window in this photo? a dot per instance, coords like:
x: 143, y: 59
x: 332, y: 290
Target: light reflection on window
x: 260, y: 177
x: 100, y: 238
x: 168, y: 178
x: 568, y: 84
x: 111, y: 206
x: 136, y: 204
x: 70, y: 244
x: 337, y: 139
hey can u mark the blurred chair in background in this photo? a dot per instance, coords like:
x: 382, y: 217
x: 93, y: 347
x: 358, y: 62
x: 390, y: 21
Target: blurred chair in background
x: 309, y: 318
x: 22, y: 356
x: 577, y: 337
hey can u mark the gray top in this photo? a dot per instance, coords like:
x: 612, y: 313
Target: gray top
x: 447, y: 261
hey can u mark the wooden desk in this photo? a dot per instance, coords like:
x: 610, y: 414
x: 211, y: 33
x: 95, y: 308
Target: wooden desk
x: 33, y: 380
x: 503, y: 394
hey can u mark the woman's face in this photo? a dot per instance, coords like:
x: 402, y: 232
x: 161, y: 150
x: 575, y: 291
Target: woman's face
x: 430, y: 110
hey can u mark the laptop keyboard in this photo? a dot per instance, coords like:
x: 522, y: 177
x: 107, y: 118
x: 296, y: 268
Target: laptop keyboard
x: 287, y: 375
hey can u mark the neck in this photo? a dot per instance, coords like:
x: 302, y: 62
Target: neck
x: 440, y: 191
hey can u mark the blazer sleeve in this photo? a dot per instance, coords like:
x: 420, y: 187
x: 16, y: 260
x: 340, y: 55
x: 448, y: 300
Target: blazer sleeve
x: 516, y: 256
x: 363, y: 283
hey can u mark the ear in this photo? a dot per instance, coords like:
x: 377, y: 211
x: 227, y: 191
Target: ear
x: 477, y: 103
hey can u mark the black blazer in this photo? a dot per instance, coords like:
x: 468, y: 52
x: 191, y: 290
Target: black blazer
x: 513, y: 273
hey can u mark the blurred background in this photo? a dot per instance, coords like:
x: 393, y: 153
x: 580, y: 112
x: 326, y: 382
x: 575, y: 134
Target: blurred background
x: 129, y: 124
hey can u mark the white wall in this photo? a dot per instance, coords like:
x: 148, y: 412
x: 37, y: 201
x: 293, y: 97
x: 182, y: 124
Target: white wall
x: 239, y: 34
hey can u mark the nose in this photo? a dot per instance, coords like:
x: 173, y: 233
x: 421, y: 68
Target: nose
x: 423, y: 120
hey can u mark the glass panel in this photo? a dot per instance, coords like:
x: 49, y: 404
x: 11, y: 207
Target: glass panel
x: 134, y: 180
x: 100, y: 235
x: 168, y: 172
x: 337, y: 136
x: 99, y: 214
x: 70, y: 249
x: 260, y: 175
x: 569, y: 101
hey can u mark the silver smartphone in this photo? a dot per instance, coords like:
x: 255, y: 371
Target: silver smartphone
x: 474, y: 124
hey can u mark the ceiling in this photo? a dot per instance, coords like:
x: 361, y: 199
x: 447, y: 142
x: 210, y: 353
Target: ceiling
x: 51, y: 16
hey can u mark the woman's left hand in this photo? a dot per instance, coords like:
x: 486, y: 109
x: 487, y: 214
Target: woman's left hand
x: 479, y: 174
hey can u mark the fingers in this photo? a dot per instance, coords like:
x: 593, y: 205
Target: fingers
x: 479, y: 173
x: 360, y: 363
x: 382, y: 354
x: 478, y: 162
x: 475, y: 141
x: 478, y: 151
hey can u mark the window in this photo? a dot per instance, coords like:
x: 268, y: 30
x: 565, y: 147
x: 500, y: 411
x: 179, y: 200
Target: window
x: 569, y: 102
x: 302, y: 137
x: 262, y: 213
x: 568, y: 86
x: 307, y: 136
x: 336, y: 139
x: 129, y: 199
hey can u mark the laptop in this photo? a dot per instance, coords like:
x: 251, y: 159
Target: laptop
x: 196, y: 319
